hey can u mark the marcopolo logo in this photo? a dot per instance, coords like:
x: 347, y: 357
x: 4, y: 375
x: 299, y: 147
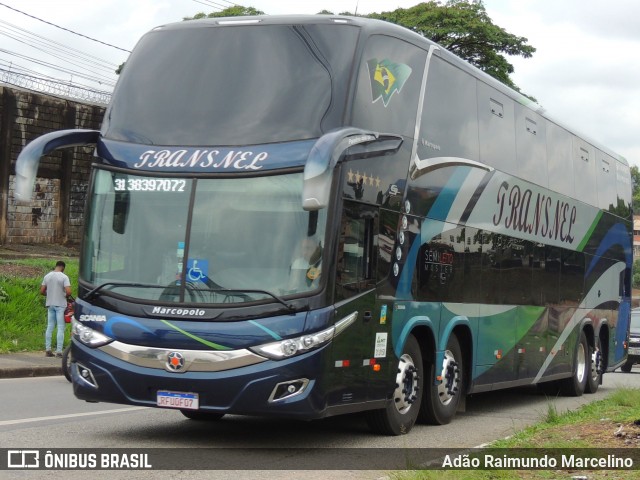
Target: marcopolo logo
x: 179, y: 312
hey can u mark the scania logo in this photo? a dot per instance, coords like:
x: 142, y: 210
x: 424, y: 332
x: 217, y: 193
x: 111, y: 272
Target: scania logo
x: 175, y: 362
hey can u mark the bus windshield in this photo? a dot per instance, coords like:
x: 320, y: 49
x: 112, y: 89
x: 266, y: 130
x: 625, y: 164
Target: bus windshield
x: 202, y: 84
x: 143, y: 240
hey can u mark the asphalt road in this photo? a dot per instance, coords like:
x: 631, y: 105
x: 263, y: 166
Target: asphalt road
x: 43, y: 413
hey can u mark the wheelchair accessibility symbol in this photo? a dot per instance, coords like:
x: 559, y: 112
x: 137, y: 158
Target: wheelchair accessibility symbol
x: 197, y: 270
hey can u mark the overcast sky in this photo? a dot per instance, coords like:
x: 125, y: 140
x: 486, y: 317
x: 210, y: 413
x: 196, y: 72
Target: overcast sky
x: 585, y: 73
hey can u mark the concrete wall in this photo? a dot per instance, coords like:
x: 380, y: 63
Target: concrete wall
x: 56, y: 214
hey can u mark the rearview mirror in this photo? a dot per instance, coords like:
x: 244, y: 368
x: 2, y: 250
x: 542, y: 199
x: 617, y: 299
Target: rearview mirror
x: 29, y: 158
x: 340, y: 145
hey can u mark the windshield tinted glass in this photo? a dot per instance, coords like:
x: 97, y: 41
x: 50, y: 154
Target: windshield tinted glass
x: 635, y: 321
x: 246, y: 234
x: 232, y: 85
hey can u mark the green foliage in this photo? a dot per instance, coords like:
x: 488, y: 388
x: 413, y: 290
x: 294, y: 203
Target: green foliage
x: 23, y: 317
x: 635, y: 185
x: 636, y: 274
x: 235, y: 11
x: 552, y: 414
x: 464, y: 28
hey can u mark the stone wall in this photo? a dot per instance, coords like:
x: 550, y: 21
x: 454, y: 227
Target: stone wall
x: 56, y: 213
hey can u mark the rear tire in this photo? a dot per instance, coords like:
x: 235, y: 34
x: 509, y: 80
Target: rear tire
x: 577, y: 383
x: 441, y: 401
x: 402, y: 411
x: 202, y: 416
x: 626, y: 368
x: 595, y: 372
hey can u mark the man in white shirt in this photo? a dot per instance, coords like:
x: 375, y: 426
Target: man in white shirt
x: 57, y: 287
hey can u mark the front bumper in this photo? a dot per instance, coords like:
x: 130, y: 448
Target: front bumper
x: 247, y: 390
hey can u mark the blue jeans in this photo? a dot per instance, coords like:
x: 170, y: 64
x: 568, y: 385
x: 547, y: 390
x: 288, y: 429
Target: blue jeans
x: 55, y: 315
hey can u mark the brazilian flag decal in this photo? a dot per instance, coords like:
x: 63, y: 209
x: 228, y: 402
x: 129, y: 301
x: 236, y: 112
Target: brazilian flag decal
x: 386, y: 78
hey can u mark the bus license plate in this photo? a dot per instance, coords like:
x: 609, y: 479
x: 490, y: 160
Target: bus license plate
x: 182, y: 400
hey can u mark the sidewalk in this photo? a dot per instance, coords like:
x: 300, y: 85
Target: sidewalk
x: 29, y: 364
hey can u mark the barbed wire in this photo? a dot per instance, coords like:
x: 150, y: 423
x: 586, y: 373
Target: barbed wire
x: 52, y: 87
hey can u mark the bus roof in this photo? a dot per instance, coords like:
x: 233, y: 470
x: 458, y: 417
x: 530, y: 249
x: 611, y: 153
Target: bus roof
x: 370, y: 26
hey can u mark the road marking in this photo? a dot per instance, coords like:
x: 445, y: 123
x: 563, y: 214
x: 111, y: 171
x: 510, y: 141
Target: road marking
x: 70, y: 415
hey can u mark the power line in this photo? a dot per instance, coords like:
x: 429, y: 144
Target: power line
x: 51, y: 87
x: 59, y: 51
x: 53, y: 44
x: 207, y: 4
x: 11, y: 66
x: 100, y: 80
x: 63, y: 28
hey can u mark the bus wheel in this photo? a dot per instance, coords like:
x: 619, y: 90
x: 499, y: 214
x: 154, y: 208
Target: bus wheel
x: 203, y: 416
x: 66, y: 363
x: 577, y: 383
x: 626, y: 368
x: 595, y: 372
x: 401, y: 413
x: 441, y: 400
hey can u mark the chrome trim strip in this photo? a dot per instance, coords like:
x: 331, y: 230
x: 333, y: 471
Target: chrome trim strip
x: 303, y: 387
x: 342, y: 325
x: 194, y: 360
x: 423, y: 88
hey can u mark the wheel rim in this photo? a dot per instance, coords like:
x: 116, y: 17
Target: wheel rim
x: 595, y: 364
x: 448, y: 388
x: 581, y: 363
x: 406, y: 392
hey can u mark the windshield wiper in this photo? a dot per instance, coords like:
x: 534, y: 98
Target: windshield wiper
x: 263, y: 292
x: 96, y: 291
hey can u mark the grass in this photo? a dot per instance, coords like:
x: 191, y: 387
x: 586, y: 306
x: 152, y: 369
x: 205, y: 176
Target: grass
x: 23, y: 316
x: 592, y: 426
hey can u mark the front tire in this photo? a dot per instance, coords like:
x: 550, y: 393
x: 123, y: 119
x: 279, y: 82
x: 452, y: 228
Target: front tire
x: 626, y: 368
x: 441, y: 400
x: 66, y: 363
x: 401, y: 413
x: 577, y: 383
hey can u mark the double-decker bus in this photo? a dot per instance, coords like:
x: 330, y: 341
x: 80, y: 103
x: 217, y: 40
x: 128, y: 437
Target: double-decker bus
x: 305, y: 216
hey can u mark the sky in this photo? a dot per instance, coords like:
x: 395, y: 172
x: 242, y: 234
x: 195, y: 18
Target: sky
x: 585, y: 72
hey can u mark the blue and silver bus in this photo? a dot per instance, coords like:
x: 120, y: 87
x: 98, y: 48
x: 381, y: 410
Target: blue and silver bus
x: 306, y: 216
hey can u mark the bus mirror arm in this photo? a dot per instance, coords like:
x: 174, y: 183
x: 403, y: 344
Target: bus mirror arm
x: 344, y: 144
x: 29, y: 158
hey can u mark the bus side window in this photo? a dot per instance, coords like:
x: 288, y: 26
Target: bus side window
x: 355, y: 268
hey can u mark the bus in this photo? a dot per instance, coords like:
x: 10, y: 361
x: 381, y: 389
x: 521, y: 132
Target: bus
x: 306, y: 216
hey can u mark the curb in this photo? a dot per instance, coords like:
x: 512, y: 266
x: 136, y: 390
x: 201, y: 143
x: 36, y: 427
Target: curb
x: 21, y: 372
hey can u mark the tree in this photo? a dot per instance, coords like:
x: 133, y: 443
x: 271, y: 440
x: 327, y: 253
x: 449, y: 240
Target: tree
x: 461, y: 26
x: 635, y: 185
x: 464, y: 28
x: 235, y: 11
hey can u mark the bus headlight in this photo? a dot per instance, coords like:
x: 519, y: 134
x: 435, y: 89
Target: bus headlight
x: 295, y: 346
x: 90, y: 337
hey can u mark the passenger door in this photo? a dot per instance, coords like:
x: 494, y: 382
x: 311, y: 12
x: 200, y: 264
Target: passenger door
x: 355, y: 292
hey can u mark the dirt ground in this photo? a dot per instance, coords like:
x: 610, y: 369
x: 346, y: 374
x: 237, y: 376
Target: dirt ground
x: 16, y: 251
x: 41, y: 250
x: 603, y: 434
